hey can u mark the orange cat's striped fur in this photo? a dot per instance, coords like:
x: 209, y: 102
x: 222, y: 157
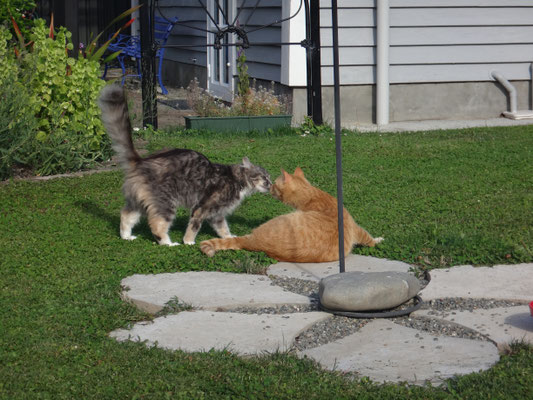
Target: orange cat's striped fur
x: 309, y: 234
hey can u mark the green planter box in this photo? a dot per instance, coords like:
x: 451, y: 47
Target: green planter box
x: 247, y: 123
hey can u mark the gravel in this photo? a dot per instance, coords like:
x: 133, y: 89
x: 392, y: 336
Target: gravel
x: 338, y: 327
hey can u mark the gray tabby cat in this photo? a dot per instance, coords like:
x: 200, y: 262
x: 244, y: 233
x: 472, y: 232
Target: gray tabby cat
x: 158, y: 184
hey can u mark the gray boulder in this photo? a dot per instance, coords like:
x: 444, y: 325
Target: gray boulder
x: 367, y: 291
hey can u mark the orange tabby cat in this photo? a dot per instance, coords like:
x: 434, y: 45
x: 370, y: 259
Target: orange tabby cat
x: 309, y: 234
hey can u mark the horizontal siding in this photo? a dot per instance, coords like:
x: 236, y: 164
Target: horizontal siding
x: 468, y: 54
x: 429, y: 3
x: 357, y: 75
x: 432, y: 16
x: 434, y: 41
x: 192, y: 16
x: 264, y: 62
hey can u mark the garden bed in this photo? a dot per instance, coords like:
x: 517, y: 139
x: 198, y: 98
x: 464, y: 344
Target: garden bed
x: 238, y: 123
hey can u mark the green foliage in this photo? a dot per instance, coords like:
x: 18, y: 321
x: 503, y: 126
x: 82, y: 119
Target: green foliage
x: 308, y: 127
x: 65, y: 89
x: 256, y: 101
x: 61, y: 92
x: 243, y: 85
x: 18, y: 123
x: 20, y: 10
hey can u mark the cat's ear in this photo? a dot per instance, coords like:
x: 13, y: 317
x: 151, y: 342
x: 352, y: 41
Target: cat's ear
x: 246, y: 163
x: 298, y: 172
x: 286, y: 176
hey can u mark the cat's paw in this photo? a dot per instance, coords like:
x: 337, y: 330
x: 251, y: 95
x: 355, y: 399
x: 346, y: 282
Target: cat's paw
x: 129, y: 237
x: 207, y: 248
x: 188, y: 242
x: 378, y: 240
x: 168, y: 242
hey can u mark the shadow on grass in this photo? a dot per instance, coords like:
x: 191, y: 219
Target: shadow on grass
x: 142, y: 229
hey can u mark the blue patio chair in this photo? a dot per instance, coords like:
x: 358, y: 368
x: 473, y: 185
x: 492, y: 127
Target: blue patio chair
x: 131, y: 47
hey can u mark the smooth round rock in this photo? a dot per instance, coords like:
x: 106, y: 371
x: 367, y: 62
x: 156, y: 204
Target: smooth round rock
x: 367, y: 291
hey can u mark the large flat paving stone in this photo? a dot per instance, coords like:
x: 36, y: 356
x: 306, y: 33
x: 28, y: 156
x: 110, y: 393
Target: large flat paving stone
x: 388, y: 352
x: 317, y: 271
x: 218, y: 291
x: 503, y: 325
x: 244, y: 334
x: 502, y: 282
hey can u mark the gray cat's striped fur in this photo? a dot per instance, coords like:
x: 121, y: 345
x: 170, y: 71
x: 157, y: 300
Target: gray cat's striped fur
x: 160, y: 183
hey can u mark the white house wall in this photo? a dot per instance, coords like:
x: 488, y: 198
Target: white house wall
x: 432, y: 41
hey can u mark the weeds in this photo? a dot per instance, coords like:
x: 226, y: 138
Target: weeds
x: 257, y: 101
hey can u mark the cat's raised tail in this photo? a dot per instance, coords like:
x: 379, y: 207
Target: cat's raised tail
x: 116, y: 120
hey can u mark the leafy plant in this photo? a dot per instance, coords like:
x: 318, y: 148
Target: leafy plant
x: 20, y: 10
x: 43, y: 82
x: 18, y: 123
x: 174, y: 306
x: 250, y: 266
x: 257, y: 101
x: 243, y: 85
x: 308, y: 127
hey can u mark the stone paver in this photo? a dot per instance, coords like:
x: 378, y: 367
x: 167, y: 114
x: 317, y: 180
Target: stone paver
x: 504, y: 282
x: 244, y: 334
x: 206, y: 290
x: 503, y: 325
x: 381, y: 350
x: 317, y: 271
x: 388, y: 352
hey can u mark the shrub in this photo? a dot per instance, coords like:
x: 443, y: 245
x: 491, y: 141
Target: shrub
x: 58, y: 91
x: 257, y: 101
x: 20, y: 10
x: 18, y: 123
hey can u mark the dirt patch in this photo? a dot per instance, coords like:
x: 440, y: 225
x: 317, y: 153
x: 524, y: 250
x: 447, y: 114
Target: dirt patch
x: 167, y: 116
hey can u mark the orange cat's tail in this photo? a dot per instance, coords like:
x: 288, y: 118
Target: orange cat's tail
x: 210, y: 247
x: 359, y: 236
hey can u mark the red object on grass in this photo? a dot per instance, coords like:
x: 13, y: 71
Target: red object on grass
x: 531, y: 308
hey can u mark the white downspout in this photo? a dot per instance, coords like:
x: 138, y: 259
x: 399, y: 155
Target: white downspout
x: 509, y: 87
x: 513, y: 113
x: 382, y: 63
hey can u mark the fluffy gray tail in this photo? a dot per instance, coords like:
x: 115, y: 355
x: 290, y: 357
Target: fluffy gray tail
x: 116, y: 120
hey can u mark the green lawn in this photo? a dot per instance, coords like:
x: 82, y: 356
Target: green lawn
x: 439, y: 199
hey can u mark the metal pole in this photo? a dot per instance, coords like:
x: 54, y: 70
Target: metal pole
x: 316, y: 62
x: 382, y: 63
x: 149, y: 94
x: 309, y: 60
x: 338, y: 147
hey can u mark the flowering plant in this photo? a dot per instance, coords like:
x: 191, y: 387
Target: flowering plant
x: 257, y: 100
